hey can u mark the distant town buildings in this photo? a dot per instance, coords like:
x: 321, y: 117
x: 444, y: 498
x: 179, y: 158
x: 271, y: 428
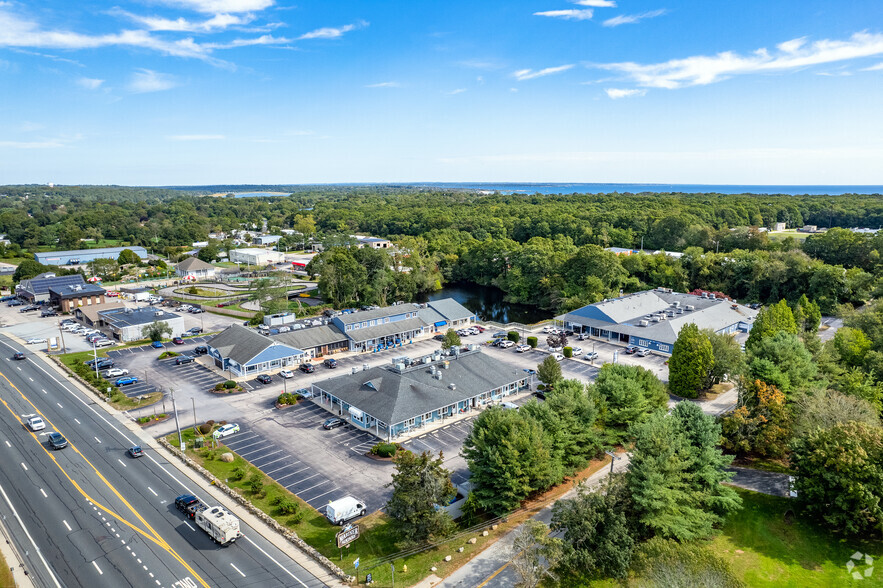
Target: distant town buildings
x: 81, y: 256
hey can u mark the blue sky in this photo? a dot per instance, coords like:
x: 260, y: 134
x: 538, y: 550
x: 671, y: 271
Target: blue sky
x: 163, y: 92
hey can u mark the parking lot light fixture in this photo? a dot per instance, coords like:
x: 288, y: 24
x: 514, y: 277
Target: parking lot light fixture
x: 613, y: 458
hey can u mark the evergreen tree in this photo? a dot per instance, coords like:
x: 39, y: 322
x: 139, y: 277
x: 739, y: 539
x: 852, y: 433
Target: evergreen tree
x: 771, y: 320
x: 627, y: 395
x: 549, y: 371
x: 419, y: 484
x: 691, y: 362
x: 452, y: 339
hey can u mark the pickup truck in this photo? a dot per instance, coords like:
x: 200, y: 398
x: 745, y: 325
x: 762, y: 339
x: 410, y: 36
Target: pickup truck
x: 220, y: 525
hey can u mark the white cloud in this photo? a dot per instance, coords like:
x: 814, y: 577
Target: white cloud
x: 615, y: 93
x: 704, y: 69
x: 48, y: 144
x: 455, y: 92
x: 90, y: 83
x: 480, y: 64
x: 877, y: 67
x: 632, y: 18
x: 262, y: 40
x: 147, y: 80
x: 569, y: 14
x: 15, y: 32
x: 529, y: 74
x: 28, y: 126
x: 596, y: 3
x: 196, y: 137
x: 333, y: 32
x: 221, y: 6
x: 218, y: 22
x: 385, y: 85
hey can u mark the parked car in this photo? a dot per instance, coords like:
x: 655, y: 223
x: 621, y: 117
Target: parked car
x: 480, y: 328
x: 307, y: 368
x: 15, y: 303
x: 286, y: 374
x: 330, y: 363
x: 582, y: 337
x: 264, y: 379
x: 136, y: 451
x: 558, y: 357
x: 57, y: 441
x: 439, y: 337
x: 630, y: 349
x: 200, y: 350
x: 35, y: 341
x: 523, y: 348
x: 157, y: 345
x: 333, y: 423
x: 556, y: 349
x: 178, y: 341
x: 304, y: 392
x: 505, y: 344
x: 183, y: 359
x: 104, y: 343
x: 48, y: 313
x: 226, y: 430
x: 577, y: 351
x: 643, y: 352
x: 126, y: 381
x: 35, y: 423
x: 194, y: 330
x: 508, y: 406
x: 530, y: 371
x: 116, y: 373
x: 540, y: 394
x: 18, y: 355
x: 197, y: 310
x: 590, y: 355
x: 499, y: 335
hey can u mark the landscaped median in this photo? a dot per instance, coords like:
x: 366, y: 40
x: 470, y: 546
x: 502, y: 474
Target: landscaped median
x: 86, y: 376
x: 310, y: 530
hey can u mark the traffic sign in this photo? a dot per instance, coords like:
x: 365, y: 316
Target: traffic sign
x: 349, y: 534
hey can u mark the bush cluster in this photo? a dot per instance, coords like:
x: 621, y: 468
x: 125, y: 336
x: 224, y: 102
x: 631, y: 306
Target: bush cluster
x: 288, y: 398
x: 384, y: 449
x: 567, y: 351
x: 88, y: 374
x: 238, y: 473
x: 532, y: 341
x: 513, y: 336
x: 229, y: 384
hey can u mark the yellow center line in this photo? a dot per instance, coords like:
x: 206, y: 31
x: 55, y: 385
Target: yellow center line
x: 152, y: 536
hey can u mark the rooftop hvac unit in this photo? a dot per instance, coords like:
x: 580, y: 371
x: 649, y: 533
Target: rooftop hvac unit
x: 644, y: 323
x: 438, y: 376
x: 712, y: 296
x: 689, y: 307
x: 355, y: 370
x: 705, y: 295
x: 452, y: 386
x: 427, y: 359
x: 399, y: 367
x: 432, y: 370
x: 364, y: 367
x: 447, y: 364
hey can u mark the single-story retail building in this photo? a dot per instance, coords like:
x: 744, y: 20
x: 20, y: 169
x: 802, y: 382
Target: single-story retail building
x: 67, y: 298
x: 127, y: 324
x: 37, y: 288
x: 315, y: 341
x: 136, y: 294
x: 196, y: 268
x: 653, y: 318
x: 256, y: 256
x: 90, y: 316
x: 444, y: 314
x: 79, y: 256
x: 395, y: 399
x: 243, y: 351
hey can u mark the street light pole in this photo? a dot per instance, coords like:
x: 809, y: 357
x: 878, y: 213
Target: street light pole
x: 613, y: 458
x: 177, y: 424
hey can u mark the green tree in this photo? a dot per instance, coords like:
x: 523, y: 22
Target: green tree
x: 691, y: 362
x: 452, y: 339
x: 127, y: 256
x: 665, y: 563
x: 596, y: 531
x: 549, y: 371
x: 509, y: 456
x: 783, y: 361
x: 852, y: 345
x: 419, y: 484
x: 729, y: 361
x: 209, y: 253
x: 807, y: 315
x: 28, y: 269
x: 827, y: 408
x: 627, y: 396
x: 838, y: 477
x: 534, y: 554
x: 771, y: 320
x: 759, y: 424
x: 676, y: 474
x: 156, y: 330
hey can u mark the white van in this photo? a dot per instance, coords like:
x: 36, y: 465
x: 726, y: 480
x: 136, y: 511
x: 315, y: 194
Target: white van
x: 344, y: 509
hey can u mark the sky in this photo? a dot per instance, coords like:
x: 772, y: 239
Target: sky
x: 194, y: 92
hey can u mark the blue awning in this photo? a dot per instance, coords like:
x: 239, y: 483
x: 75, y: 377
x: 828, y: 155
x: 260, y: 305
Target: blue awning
x: 441, y: 323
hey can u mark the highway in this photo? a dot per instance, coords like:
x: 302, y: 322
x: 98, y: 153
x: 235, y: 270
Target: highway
x: 89, y: 515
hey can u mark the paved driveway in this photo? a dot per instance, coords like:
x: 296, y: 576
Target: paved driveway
x: 447, y: 440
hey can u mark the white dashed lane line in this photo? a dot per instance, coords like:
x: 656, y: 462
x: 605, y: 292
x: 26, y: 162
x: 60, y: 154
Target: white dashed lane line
x: 95, y: 563
x: 43, y: 492
x: 237, y: 569
x: 66, y: 525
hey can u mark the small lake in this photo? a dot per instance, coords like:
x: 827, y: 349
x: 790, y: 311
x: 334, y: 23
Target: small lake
x: 487, y: 302
x: 259, y: 194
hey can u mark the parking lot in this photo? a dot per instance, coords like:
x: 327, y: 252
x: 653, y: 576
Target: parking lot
x: 448, y: 440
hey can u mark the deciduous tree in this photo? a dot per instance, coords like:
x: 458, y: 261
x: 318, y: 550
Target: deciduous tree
x: 534, y: 554
x: 759, y: 424
x: 549, y: 371
x: 452, y: 339
x: 156, y: 330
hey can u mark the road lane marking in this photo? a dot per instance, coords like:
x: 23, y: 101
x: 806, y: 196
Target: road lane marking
x: 121, y: 462
x: 59, y: 405
x: 66, y: 525
x: 97, y: 439
x: 24, y: 466
x: 44, y: 390
x: 95, y: 563
x: 267, y: 555
x: 30, y: 378
x: 8, y: 444
x: 78, y: 422
x: 237, y: 569
x: 31, y: 539
x: 43, y: 492
x: 189, y: 525
x: 151, y: 489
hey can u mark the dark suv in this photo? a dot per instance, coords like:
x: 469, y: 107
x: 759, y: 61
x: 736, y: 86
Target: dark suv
x: 264, y: 379
x: 330, y: 363
x: 189, y: 504
x: 307, y: 368
x: 183, y: 359
x: 200, y: 350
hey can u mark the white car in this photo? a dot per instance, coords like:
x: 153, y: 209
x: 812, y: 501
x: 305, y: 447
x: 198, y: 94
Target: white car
x: 104, y: 343
x: 507, y: 344
x: 35, y: 341
x: 523, y: 348
x: 286, y: 374
x: 558, y: 357
x: 35, y: 423
x: 577, y: 351
x: 590, y: 355
x: 226, y: 430
x: 643, y: 352
x: 509, y: 406
x: 284, y: 329
x: 116, y: 372
x: 554, y: 349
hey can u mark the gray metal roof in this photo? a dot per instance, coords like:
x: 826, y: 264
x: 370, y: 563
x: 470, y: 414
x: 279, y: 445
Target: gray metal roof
x: 367, y: 315
x: 386, y: 329
x: 394, y: 397
x: 450, y: 309
x: 311, y: 337
x: 194, y: 263
x: 76, y: 291
x: 137, y: 249
x: 131, y: 317
x: 239, y: 343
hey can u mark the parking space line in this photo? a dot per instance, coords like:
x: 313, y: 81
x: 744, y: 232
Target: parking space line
x: 321, y: 495
x: 294, y: 473
x: 269, y: 462
x: 449, y: 435
x: 288, y: 465
x: 243, y: 438
x: 258, y: 449
x: 264, y: 456
x: 313, y: 486
x: 304, y: 480
x: 239, y: 447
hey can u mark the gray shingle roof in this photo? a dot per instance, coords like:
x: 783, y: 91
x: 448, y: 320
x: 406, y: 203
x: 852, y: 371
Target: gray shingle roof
x: 194, y: 263
x: 239, y: 343
x: 386, y: 329
x: 450, y: 309
x: 311, y: 337
x: 393, y: 397
x: 367, y: 315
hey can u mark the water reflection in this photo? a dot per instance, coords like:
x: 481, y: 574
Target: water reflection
x: 487, y: 302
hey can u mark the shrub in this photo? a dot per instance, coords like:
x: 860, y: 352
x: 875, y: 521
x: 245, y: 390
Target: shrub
x: 297, y: 518
x: 192, y: 290
x: 229, y: 384
x: 256, y: 483
x: 257, y: 319
x: 384, y: 449
x: 219, y: 386
x: 513, y: 336
x: 163, y: 415
x: 287, y: 505
x: 143, y: 420
x: 532, y: 341
x: 238, y: 473
x: 205, y: 428
x: 567, y: 351
x: 288, y: 398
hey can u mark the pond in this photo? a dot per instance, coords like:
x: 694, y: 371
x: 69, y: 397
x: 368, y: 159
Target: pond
x: 488, y: 303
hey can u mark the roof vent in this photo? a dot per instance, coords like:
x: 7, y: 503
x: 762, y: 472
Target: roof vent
x: 452, y: 386
x: 644, y: 323
x: 364, y: 367
x: 705, y: 295
x: 400, y: 367
x: 712, y: 296
x: 355, y: 370
x: 438, y: 375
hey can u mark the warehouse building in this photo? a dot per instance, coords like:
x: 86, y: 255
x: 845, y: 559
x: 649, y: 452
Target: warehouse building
x: 127, y: 324
x: 81, y: 256
x: 397, y: 399
x: 255, y: 256
x: 653, y: 318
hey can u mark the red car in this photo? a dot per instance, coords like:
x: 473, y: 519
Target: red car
x: 178, y: 341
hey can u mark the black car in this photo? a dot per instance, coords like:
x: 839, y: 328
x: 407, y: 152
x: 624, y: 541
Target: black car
x: 18, y: 355
x: 200, y: 350
x: 183, y: 359
x: 439, y: 337
x: 333, y: 423
x: 57, y: 441
x: 48, y: 312
x: 540, y: 394
x: 195, y: 330
x: 307, y: 368
x: 15, y: 303
x: 185, y: 502
x: 29, y: 308
x: 264, y: 379
x: 330, y: 363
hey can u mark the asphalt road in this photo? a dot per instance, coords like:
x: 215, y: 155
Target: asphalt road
x: 88, y: 515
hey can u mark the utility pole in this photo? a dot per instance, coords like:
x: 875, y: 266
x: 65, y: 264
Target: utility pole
x: 95, y: 357
x: 61, y: 332
x: 193, y: 402
x: 613, y: 458
x: 177, y: 424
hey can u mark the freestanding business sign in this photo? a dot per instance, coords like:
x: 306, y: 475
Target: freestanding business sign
x: 349, y: 534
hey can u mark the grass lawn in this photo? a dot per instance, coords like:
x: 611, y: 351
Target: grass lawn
x: 6, y: 578
x: 92, y: 244
x: 765, y: 550
x: 377, y: 539
x: 780, y: 235
x: 779, y: 466
x: 14, y: 260
x: 207, y: 292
